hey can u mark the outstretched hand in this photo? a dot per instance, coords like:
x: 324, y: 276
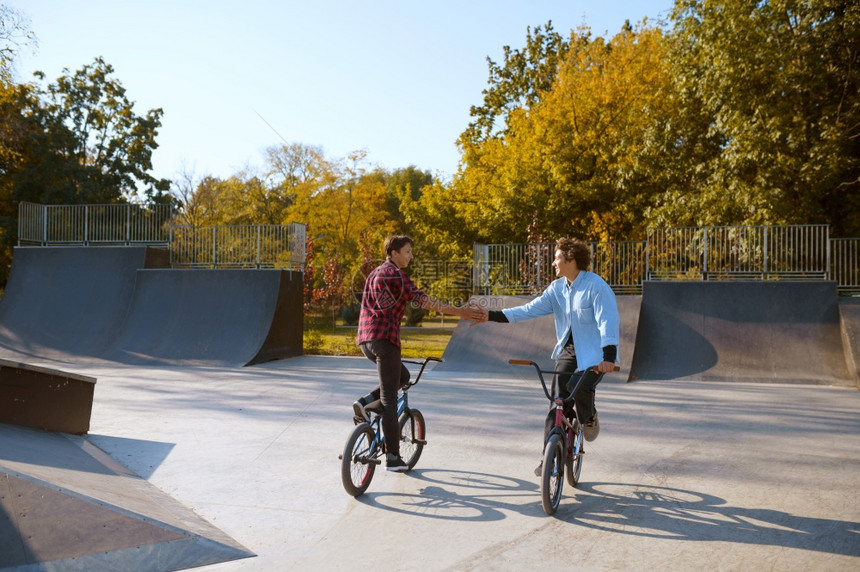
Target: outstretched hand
x: 480, y: 316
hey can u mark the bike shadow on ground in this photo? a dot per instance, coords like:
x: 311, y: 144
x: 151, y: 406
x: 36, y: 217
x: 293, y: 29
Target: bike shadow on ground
x: 622, y: 508
x: 462, y: 496
x: 668, y: 513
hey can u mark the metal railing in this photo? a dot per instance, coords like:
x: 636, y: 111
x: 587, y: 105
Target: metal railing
x: 845, y: 264
x: 250, y: 246
x: 526, y: 268
x: 121, y: 224
x: 791, y: 252
x: 739, y: 252
x: 677, y: 253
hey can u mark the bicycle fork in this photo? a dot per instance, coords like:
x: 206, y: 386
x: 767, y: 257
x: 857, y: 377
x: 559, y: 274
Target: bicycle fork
x: 573, y: 440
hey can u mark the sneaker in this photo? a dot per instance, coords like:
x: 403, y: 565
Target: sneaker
x: 539, y: 469
x: 361, y: 415
x: 395, y: 464
x: 592, y: 428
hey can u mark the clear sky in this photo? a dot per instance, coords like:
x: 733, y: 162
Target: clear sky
x: 395, y: 78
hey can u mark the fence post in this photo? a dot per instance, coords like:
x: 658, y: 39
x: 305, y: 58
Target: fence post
x: 648, y: 255
x: 214, y: 237
x: 765, y: 254
x: 258, y: 247
x: 44, y: 225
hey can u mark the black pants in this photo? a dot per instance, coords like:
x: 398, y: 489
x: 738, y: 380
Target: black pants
x: 562, y: 384
x: 392, y: 376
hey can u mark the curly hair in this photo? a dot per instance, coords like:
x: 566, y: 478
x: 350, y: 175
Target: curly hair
x: 574, y: 249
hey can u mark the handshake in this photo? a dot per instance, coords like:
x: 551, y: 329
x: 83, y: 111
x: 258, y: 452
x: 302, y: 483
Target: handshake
x: 474, y: 313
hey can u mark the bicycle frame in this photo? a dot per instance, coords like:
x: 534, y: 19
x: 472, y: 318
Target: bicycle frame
x: 563, y: 447
x: 378, y: 445
x: 366, y: 444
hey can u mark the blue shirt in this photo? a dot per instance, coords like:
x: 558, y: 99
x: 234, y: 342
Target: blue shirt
x: 585, y: 310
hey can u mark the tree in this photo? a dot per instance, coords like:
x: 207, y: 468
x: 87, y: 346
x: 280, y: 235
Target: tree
x: 107, y: 148
x: 517, y: 83
x: 14, y: 35
x: 777, y: 82
x: 404, y: 185
x: 581, y: 154
x: 293, y: 173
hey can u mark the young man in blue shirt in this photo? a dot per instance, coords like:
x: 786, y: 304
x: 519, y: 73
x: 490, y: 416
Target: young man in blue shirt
x: 586, y: 324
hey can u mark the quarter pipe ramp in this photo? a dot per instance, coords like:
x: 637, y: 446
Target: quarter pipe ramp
x: 122, y: 304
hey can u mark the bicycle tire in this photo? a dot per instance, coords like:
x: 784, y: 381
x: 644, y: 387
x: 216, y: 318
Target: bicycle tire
x: 358, y: 462
x: 573, y: 460
x: 552, y: 476
x: 413, y: 432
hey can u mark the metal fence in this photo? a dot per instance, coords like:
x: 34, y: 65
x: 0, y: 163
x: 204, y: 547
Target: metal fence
x: 250, y: 246
x: 791, y: 252
x: 122, y: 224
x: 845, y: 264
x: 739, y: 253
x: 526, y: 268
x: 677, y: 253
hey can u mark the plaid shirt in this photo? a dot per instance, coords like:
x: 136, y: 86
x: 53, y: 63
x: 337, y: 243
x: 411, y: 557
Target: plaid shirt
x: 387, y: 290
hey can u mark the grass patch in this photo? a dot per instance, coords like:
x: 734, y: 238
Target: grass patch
x: 429, y: 339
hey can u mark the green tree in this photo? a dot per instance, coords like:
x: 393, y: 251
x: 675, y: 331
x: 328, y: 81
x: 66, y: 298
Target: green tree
x: 106, y: 147
x: 776, y: 84
x: 519, y: 82
x: 15, y: 131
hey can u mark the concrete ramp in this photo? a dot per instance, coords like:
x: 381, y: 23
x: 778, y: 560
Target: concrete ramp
x: 783, y: 332
x: 122, y: 304
x: 488, y: 347
x: 66, y: 505
x: 69, y: 301
x: 211, y: 317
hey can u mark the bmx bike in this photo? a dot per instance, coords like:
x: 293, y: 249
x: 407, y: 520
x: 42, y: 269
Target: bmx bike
x: 365, y: 447
x: 563, y: 448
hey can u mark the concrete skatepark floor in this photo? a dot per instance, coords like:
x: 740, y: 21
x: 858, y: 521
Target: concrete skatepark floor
x: 685, y: 475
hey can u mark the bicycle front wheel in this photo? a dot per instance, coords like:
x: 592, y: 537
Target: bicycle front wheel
x: 412, y: 436
x: 359, y: 460
x: 552, y: 476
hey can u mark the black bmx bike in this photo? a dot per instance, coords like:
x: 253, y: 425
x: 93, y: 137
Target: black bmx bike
x: 563, y: 448
x: 365, y: 447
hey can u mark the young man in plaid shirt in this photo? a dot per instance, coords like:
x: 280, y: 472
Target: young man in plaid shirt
x: 387, y: 291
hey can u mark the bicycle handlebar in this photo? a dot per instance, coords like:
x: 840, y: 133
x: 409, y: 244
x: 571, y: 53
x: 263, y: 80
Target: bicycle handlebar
x: 423, y: 363
x: 540, y: 372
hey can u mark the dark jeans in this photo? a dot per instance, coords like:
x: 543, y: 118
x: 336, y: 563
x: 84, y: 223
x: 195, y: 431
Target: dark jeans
x: 392, y: 376
x: 562, y: 384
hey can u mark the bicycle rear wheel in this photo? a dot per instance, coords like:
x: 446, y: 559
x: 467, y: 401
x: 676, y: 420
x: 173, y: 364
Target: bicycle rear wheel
x: 552, y: 477
x: 412, y: 436
x: 573, y: 461
x: 359, y: 460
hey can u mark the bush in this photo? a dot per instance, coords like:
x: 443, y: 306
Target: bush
x: 414, y: 315
x: 313, y: 342
x: 350, y: 314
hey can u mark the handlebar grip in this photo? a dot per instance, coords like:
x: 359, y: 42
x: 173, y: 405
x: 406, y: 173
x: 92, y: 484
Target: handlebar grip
x: 519, y: 362
x: 615, y: 368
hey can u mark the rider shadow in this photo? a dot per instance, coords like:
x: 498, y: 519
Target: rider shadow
x: 667, y: 513
x: 437, y: 500
x: 629, y: 509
